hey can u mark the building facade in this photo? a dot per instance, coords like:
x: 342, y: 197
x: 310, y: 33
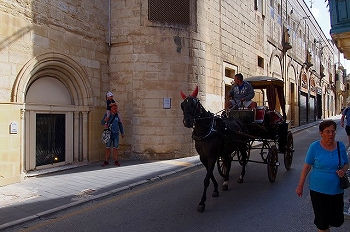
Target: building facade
x: 58, y: 59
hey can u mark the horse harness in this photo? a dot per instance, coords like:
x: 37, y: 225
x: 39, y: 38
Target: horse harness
x: 211, y: 130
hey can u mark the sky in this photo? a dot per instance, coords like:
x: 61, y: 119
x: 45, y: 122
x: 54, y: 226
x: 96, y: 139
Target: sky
x: 319, y: 8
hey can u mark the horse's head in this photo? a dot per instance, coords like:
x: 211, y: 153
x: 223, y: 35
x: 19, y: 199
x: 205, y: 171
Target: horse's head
x: 190, y: 107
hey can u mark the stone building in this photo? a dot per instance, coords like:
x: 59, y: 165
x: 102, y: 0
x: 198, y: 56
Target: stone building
x: 58, y: 58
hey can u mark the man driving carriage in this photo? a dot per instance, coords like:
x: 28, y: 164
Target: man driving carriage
x: 241, y: 94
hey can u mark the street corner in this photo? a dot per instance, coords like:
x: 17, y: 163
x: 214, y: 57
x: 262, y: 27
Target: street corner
x: 11, y: 195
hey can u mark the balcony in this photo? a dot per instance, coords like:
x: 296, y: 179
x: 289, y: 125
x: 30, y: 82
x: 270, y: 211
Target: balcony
x: 340, y: 25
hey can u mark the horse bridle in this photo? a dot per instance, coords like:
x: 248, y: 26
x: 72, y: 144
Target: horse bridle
x: 197, y: 117
x: 193, y: 115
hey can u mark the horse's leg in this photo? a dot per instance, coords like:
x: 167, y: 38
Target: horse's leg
x: 212, y: 177
x: 201, y: 205
x: 227, y: 162
x: 244, y: 162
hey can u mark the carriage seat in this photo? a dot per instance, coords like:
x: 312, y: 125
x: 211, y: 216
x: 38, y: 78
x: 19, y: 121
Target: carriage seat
x: 244, y: 115
x: 260, y: 112
x: 268, y: 117
x: 273, y: 117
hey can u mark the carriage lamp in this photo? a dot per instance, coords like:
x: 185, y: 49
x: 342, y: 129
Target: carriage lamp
x: 55, y: 158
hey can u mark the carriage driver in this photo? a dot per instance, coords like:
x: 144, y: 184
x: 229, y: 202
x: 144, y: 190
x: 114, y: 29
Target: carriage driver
x: 241, y: 94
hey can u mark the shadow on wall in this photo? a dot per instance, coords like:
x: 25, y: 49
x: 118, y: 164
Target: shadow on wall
x: 14, y: 37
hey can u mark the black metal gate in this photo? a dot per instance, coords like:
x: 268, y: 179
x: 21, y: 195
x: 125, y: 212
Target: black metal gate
x: 311, y: 109
x: 50, y: 138
x: 303, y: 108
x: 319, y: 106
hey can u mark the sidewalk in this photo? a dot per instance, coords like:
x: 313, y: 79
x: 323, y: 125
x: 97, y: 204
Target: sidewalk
x: 45, y: 194
x: 38, y: 196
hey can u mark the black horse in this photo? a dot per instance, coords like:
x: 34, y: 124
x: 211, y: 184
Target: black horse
x: 214, y: 136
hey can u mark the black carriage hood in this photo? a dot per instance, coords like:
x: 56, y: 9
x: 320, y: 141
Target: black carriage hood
x: 272, y: 85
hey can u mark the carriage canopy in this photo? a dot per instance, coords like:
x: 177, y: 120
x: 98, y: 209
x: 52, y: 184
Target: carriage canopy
x: 273, y: 86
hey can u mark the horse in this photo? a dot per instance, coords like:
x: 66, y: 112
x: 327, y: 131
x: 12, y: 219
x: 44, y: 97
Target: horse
x: 214, y: 136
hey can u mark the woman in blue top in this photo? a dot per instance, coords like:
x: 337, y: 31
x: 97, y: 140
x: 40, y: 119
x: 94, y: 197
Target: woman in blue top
x: 326, y: 194
x: 116, y: 127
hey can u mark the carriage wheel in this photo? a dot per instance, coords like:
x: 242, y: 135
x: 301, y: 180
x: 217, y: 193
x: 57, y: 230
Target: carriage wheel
x: 222, y: 166
x: 288, y: 154
x: 272, y: 163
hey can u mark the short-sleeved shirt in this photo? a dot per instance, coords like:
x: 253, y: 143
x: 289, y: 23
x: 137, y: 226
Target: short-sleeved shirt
x: 346, y: 113
x: 116, y: 124
x: 323, y: 177
x: 245, y: 91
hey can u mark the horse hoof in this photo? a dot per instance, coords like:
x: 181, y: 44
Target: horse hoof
x: 225, y: 187
x: 201, y: 208
x: 215, y: 194
x: 240, y: 180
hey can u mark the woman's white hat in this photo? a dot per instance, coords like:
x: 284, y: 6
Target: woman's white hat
x: 109, y: 94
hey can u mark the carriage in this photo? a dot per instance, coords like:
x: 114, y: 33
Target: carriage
x: 233, y: 135
x: 268, y: 130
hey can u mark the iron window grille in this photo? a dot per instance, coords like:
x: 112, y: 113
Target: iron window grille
x: 169, y: 11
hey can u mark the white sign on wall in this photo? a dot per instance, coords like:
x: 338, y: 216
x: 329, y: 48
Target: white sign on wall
x: 13, y: 128
x: 166, y: 103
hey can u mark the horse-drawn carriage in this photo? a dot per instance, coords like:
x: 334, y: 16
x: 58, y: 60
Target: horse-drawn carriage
x: 267, y: 129
x: 222, y: 138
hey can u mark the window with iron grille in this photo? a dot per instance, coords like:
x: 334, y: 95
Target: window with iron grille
x: 169, y: 11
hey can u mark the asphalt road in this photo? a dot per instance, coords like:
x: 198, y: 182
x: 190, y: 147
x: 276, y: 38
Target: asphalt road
x: 170, y: 204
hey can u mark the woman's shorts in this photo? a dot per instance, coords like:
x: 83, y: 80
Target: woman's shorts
x: 114, y: 141
x: 328, y: 209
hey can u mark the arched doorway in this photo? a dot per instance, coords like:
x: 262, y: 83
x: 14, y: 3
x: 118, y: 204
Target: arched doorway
x: 49, y: 133
x: 291, y: 95
x: 276, y: 71
x: 56, y: 96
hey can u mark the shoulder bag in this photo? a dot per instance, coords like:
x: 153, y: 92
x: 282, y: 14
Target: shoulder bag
x: 106, y: 134
x: 344, y: 181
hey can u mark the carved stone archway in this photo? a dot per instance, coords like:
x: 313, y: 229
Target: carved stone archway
x: 74, y: 78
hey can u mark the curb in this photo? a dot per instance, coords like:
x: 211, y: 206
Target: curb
x: 96, y: 197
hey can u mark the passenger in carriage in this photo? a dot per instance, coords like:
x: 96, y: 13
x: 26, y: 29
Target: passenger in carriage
x: 241, y: 94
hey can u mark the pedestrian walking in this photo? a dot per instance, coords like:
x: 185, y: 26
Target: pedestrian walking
x: 346, y: 115
x: 324, y: 184
x: 116, y: 126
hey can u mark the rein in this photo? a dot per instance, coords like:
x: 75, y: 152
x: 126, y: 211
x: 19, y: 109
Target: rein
x: 198, y: 118
x: 210, y: 132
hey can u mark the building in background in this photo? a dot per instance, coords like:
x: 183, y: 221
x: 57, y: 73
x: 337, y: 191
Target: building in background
x: 58, y: 59
x: 340, y: 32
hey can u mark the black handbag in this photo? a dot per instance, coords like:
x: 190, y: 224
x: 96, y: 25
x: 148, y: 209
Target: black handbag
x: 344, y: 181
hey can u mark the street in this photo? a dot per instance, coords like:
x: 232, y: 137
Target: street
x: 170, y: 204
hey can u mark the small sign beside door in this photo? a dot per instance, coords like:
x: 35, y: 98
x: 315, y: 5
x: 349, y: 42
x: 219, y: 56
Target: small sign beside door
x: 13, y: 128
x: 166, y: 103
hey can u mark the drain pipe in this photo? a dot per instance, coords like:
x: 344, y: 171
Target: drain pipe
x: 109, y: 23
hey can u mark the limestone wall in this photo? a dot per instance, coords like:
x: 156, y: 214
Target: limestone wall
x: 10, y: 144
x: 29, y: 29
x: 150, y: 62
x: 74, y: 28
